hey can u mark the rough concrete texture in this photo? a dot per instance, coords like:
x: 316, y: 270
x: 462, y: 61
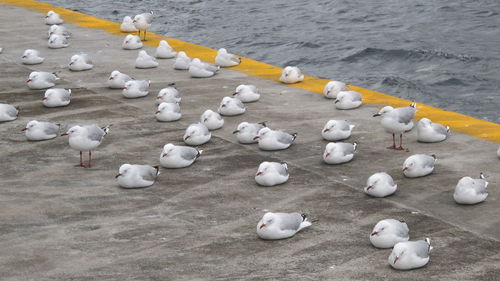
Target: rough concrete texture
x: 59, y: 222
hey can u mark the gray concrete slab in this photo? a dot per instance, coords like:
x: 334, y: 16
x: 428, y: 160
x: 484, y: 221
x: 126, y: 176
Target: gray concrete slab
x: 64, y: 223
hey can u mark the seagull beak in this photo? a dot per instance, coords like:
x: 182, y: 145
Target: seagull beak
x: 326, y: 130
x: 164, y: 154
x: 156, y: 112
x: 262, y: 225
x: 375, y: 115
x: 24, y: 129
x: 29, y: 80
x: 327, y: 154
x: 258, y: 174
x: 205, y: 120
x: 158, y: 97
x: 71, y: 63
x: 111, y: 78
x: 336, y: 101
x: 23, y: 57
x: 235, y: 132
x: 256, y: 137
x: 405, y: 168
x: 117, y: 176
x: 125, y: 88
x: 374, y: 233
x: 223, y: 105
x: 187, y: 137
x: 396, y: 259
x: 65, y: 134
x: 235, y: 93
x: 368, y: 188
x: 44, y: 98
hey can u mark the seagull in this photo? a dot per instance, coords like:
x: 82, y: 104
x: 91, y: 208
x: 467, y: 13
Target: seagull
x: 182, y: 61
x: 348, y: 100
x: 199, y: 69
x: 247, y: 93
x: 231, y: 107
x: 397, y: 121
x: 56, y: 97
x: 178, y: 156
x: 332, y: 88
x: 431, y: 132
x: 336, y: 130
x: 274, y: 226
x: 169, y: 94
x: 37, y: 131
x: 31, y: 57
x: 136, y: 88
x: 117, y: 80
x: 212, y: 120
x: 41, y: 80
x: 272, y: 173
x: 225, y: 59
x: 57, y: 41
x: 339, y: 152
x: 80, y: 62
x: 247, y: 132
x: 380, y: 185
x: 8, y: 112
x: 274, y: 140
x: 419, y: 165
x: 58, y: 29
x: 143, y: 22
x: 388, y: 233
x: 137, y: 176
x: 128, y: 25
x: 145, y: 61
x: 410, y: 254
x: 197, y: 134
x: 164, y: 51
x: 291, y: 74
x: 132, y: 42
x: 53, y: 18
x: 471, y: 191
x: 84, y: 138
x: 168, y: 111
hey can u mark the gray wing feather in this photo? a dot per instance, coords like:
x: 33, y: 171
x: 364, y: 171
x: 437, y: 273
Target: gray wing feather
x: 281, y: 169
x: 11, y: 111
x: 148, y: 17
x: 343, y: 125
x: 51, y: 128
x: 480, y: 186
x: 239, y: 103
x: 428, y: 161
x: 147, y: 172
x: 405, y: 114
x: 347, y: 148
x: 421, y: 248
x: 440, y: 129
x: 95, y: 133
x: 290, y: 221
x: 284, y: 137
x: 188, y: 153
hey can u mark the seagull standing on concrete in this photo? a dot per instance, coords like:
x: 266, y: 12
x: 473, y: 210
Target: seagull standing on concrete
x: 8, y: 112
x: 56, y: 97
x: 57, y: 41
x: 388, y: 233
x: 336, y: 130
x: 31, y: 57
x: 143, y: 22
x: 247, y: 93
x: 177, y: 156
x: 168, y: 112
x: 80, y: 62
x: 471, y: 191
x: 291, y: 74
x: 231, y: 107
x: 225, y: 59
x: 348, y: 100
x: 419, y: 165
x: 182, y: 61
x: 247, y: 132
x: 274, y: 140
x: 431, y: 132
x: 397, y: 121
x: 37, y: 131
x: 136, y: 89
x: 132, y: 42
x: 169, y: 94
x: 145, y: 61
x: 117, y: 80
x: 137, y: 176
x: 53, y: 18
x: 128, y: 25
x: 274, y: 226
x: 272, y: 173
x: 164, y: 51
x: 87, y: 137
x: 332, y: 88
x: 380, y: 185
x: 410, y: 254
x: 197, y: 134
x: 339, y: 152
x: 41, y: 80
x: 212, y: 120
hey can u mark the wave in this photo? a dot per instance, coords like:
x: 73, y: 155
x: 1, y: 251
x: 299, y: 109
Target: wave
x: 402, y: 54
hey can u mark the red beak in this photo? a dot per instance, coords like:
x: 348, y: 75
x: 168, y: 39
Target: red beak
x: 368, y: 188
x: 158, y: 98
x: 71, y: 63
x: 396, y: 259
x: 156, y: 112
x: 406, y: 168
x: 164, y: 154
x: 65, y: 134
x: 256, y: 137
x: 262, y: 225
x: 23, y: 57
x: 187, y: 137
x: 375, y: 115
x: 326, y: 130
x: 374, y: 233
x: 24, y: 129
x: 125, y: 88
x: 336, y: 101
x: 234, y: 94
x: 44, y: 98
x: 327, y: 154
x: 258, y: 174
x: 29, y: 80
x: 111, y: 78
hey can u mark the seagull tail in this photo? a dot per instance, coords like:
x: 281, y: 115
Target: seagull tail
x: 305, y: 223
x: 428, y: 241
x: 294, y: 135
x: 263, y: 123
x: 199, y: 153
x: 434, y: 156
x: 171, y: 84
x: 284, y: 164
x: 106, y: 129
x: 447, y: 129
x: 157, y: 171
x: 355, y: 145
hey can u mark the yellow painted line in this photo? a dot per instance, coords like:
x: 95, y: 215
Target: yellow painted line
x: 458, y: 122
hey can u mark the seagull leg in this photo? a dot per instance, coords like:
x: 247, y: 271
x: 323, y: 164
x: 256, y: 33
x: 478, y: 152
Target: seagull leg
x: 81, y: 161
x: 393, y: 142
x: 400, y: 142
x: 90, y: 159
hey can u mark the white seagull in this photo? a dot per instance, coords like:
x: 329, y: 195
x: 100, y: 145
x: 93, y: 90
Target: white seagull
x: 117, y: 80
x: 388, y: 233
x: 410, y: 254
x: 274, y: 139
x: 271, y: 173
x: 471, y: 191
x: 37, y: 131
x: 199, y: 69
x: 225, y: 59
x: 41, y: 80
x: 57, y: 41
x: 380, y: 185
x: 80, y: 62
x: 168, y: 112
x: 397, y: 121
x: 339, y: 152
x: 58, y: 29
x: 431, y: 132
x: 274, y: 226
x: 212, y: 120
x: 197, y: 134
x: 332, y: 88
x: 132, y: 42
x: 291, y: 74
x: 348, y: 100
x: 145, y: 61
x: 136, y: 89
x: 182, y: 61
x: 178, y: 156
x: 419, y: 165
x: 137, y: 176
x: 143, y: 22
x: 164, y: 51
x: 247, y: 93
x: 87, y: 137
x: 231, y: 106
x: 128, y: 25
x: 8, y: 112
x: 169, y: 94
x: 56, y: 97
x: 247, y: 132
x: 31, y: 57
x: 335, y: 130
x: 53, y: 18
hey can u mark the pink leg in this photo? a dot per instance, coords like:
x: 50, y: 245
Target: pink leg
x: 393, y: 142
x: 90, y: 159
x: 400, y: 142
x: 81, y: 161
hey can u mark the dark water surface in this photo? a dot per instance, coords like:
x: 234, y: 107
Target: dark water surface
x: 442, y: 53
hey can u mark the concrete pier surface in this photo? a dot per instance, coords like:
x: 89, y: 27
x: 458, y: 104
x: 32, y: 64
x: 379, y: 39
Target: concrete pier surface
x: 59, y: 222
